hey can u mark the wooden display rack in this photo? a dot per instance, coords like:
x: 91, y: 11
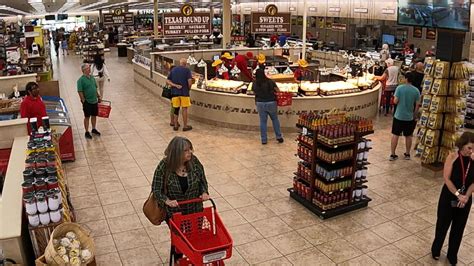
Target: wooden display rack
x: 40, y: 235
x: 308, y: 201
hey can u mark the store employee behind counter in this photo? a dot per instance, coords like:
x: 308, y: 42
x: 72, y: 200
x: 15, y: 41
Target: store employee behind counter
x: 32, y: 105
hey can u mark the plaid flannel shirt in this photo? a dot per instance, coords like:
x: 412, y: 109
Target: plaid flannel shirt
x: 197, y: 184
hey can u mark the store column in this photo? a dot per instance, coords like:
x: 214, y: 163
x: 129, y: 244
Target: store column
x: 226, y: 22
x: 305, y: 22
x: 155, y: 19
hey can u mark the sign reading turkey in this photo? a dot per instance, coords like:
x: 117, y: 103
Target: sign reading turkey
x: 271, y: 21
x: 186, y: 22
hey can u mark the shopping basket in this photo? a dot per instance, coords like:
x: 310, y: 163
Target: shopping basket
x: 201, y: 237
x: 284, y: 98
x: 104, y: 109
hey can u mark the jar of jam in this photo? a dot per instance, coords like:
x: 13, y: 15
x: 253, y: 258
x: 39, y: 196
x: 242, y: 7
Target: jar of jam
x: 41, y: 202
x: 29, y: 201
x: 30, y: 162
x: 51, y: 171
x: 27, y: 186
x: 28, y: 174
x: 44, y: 218
x: 33, y: 220
x: 53, y: 200
x: 52, y: 182
x: 55, y: 215
x: 40, y: 173
x: 41, y: 162
x: 40, y: 184
x: 51, y: 160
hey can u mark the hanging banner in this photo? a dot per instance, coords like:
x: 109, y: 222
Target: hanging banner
x: 118, y: 17
x: 417, y: 32
x: 271, y: 21
x: 339, y: 27
x: 186, y: 22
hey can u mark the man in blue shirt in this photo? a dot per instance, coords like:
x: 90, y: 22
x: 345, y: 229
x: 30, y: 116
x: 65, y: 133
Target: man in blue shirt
x: 180, y: 81
x: 406, y: 98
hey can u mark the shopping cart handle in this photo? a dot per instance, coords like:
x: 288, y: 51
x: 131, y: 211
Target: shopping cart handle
x: 184, y: 202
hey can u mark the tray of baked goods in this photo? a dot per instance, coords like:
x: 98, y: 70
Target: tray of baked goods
x: 337, y: 88
x: 228, y: 86
x: 309, y: 88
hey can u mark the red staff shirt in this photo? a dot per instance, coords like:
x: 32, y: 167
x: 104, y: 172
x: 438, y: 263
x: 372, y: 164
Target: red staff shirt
x: 242, y: 64
x: 33, y: 107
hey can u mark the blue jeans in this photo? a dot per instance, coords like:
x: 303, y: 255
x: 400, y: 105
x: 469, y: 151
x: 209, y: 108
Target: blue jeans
x: 266, y: 109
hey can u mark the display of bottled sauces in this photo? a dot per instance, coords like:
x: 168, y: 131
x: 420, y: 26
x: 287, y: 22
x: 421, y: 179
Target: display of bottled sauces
x: 326, y: 201
x: 314, y: 121
x: 334, y: 156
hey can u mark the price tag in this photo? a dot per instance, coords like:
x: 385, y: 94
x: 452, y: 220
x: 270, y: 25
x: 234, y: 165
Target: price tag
x: 305, y: 131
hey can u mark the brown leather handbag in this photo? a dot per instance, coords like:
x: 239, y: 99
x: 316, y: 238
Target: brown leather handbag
x: 154, y: 212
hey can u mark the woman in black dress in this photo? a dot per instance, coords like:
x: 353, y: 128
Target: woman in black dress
x: 455, y: 199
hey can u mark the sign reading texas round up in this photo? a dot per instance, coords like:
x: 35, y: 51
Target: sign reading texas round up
x: 268, y: 23
x: 178, y: 24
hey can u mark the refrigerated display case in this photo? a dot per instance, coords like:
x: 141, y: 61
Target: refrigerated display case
x: 61, y: 123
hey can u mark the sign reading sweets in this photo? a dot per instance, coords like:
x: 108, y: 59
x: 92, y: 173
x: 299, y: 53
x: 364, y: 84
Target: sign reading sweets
x: 186, y: 22
x: 118, y: 17
x: 271, y: 21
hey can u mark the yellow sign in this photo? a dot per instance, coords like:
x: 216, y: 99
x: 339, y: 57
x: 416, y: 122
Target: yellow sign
x: 118, y: 12
x: 271, y: 10
x: 187, y: 10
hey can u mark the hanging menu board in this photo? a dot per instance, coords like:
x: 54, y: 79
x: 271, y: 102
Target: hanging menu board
x: 270, y: 21
x: 186, y: 22
x: 118, y: 18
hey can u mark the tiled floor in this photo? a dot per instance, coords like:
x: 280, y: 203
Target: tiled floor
x: 111, y: 178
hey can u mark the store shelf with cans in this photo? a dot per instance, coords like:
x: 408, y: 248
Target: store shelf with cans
x: 330, y: 177
x: 443, y: 108
x: 469, y: 119
x: 45, y: 192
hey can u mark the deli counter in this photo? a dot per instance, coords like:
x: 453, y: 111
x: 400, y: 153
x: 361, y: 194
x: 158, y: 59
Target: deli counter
x: 230, y: 103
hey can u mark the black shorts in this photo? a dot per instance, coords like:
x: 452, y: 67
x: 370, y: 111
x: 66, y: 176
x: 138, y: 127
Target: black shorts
x: 90, y: 109
x: 405, y: 128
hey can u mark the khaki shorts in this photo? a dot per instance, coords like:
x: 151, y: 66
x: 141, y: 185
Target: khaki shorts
x: 181, y: 101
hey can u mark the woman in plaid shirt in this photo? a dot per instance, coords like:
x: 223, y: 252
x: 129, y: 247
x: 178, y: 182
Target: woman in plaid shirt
x: 184, y: 177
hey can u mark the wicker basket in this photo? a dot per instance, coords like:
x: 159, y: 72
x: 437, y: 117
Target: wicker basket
x: 52, y: 257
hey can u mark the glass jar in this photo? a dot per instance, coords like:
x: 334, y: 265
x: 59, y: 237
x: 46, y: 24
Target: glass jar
x: 52, y: 182
x: 44, y: 218
x: 55, y: 216
x: 30, y: 162
x: 29, y: 201
x: 40, y: 173
x: 27, y: 187
x: 51, y: 171
x: 58, y: 193
x: 53, y: 200
x: 40, y: 184
x: 28, y: 174
x: 33, y: 219
x: 41, y: 202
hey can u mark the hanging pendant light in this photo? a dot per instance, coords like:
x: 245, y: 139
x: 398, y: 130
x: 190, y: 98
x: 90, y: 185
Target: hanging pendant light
x: 336, y: 69
x: 288, y: 71
x: 204, y: 37
x: 222, y: 69
x: 212, y: 37
x: 265, y: 46
x: 277, y: 45
x: 191, y: 60
x: 286, y: 46
x: 220, y: 36
x: 235, y: 70
x: 195, y: 37
x: 202, y: 63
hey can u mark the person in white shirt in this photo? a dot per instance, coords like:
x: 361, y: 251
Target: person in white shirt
x: 390, y: 76
x: 100, y: 72
x: 384, y: 53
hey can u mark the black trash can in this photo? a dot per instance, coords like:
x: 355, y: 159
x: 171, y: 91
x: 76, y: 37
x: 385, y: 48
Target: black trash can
x: 122, y: 49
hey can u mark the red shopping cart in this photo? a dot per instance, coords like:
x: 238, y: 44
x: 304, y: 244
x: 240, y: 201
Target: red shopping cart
x: 201, y: 237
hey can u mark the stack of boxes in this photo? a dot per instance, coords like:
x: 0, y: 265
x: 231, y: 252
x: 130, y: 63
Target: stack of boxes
x: 442, y: 109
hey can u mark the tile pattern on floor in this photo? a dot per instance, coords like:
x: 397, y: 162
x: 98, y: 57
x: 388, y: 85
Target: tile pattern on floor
x: 112, y: 174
